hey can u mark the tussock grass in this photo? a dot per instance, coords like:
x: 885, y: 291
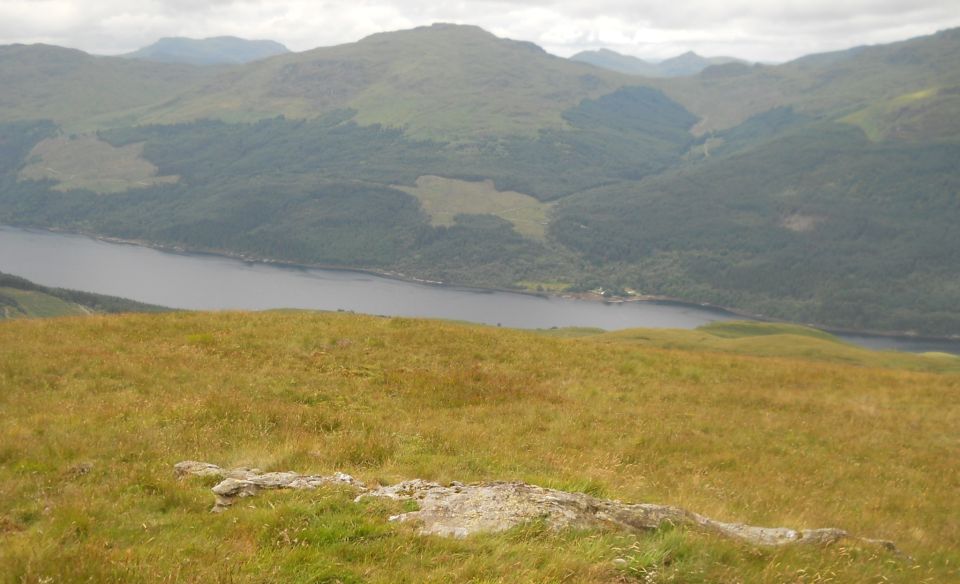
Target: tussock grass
x: 96, y: 410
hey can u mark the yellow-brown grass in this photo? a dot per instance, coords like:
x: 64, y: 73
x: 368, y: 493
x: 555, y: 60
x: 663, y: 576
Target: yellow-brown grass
x: 764, y: 440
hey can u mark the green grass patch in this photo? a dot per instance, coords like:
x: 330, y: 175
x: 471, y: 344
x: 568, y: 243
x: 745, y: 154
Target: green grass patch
x: 22, y: 298
x: 544, y: 286
x: 27, y: 303
x: 572, y: 332
x: 769, y: 340
x: 737, y: 330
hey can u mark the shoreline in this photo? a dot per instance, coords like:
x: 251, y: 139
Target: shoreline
x: 581, y: 296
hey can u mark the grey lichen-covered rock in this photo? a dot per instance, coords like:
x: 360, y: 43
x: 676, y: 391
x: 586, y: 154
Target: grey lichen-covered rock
x: 199, y: 469
x: 458, y: 510
x: 461, y: 510
x: 245, y: 482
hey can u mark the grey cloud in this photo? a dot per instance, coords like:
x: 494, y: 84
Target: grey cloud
x: 754, y: 29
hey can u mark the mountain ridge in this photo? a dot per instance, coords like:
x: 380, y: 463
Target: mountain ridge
x: 221, y: 50
x: 685, y: 64
x: 441, y: 81
x: 80, y: 90
x: 825, y: 84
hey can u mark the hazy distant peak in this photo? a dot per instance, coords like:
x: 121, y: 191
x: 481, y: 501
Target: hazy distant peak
x: 448, y: 35
x: 615, y: 61
x: 952, y: 33
x: 451, y: 26
x: 688, y: 63
x: 41, y: 48
x: 437, y: 29
x: 222, y: 50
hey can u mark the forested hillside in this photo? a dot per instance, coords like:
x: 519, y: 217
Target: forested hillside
x: 824, y: 190
x: 819, y: 225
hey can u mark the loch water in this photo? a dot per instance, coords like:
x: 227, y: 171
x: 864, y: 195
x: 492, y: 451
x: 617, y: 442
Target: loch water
x: 211, y: 282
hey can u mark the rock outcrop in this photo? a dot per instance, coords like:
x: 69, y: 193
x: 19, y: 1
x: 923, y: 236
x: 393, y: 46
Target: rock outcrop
x: 459, y: 510
x: 243, y: 482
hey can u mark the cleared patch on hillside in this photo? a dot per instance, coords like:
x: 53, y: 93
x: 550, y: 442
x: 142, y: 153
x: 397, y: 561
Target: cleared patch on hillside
x: 929, y: 113
x: 16, y: 303
x: 554, y: 286
x: 800, y: 223
x: 86, y: 162
x: 445, y: 198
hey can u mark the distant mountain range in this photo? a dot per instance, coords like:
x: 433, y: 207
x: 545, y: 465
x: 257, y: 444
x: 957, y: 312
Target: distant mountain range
x: 822, y: 190
x: 688, y: 63
x: 225, y: 50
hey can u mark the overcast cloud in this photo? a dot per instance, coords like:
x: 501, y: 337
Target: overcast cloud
x: 764, y: 30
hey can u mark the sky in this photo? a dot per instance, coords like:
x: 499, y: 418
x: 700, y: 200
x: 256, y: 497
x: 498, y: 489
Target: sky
x: 757, y: 30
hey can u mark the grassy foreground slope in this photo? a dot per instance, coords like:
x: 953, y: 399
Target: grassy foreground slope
x: 96, y: 410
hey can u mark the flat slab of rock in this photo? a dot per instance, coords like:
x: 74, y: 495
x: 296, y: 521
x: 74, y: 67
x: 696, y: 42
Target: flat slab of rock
x: 458, y: 510
x: 243, y: 482
x: 205, y: 469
